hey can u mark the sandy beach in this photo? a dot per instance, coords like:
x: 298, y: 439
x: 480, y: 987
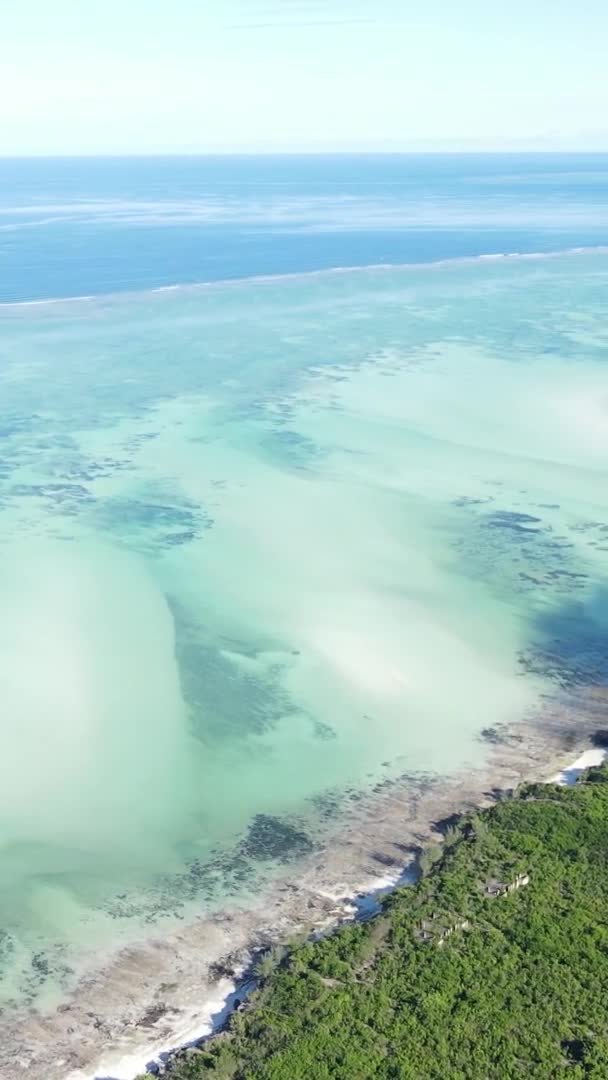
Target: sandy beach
x: 587, y: 760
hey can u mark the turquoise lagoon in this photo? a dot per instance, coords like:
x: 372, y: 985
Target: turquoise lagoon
x: 265, y: 543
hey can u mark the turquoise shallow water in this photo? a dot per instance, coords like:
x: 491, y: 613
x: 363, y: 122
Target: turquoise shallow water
x: 265, y: 543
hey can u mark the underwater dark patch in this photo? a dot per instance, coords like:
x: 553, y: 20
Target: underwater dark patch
x: 273, y: 839
x: 571, y: 644
x: 509, y: 519
x: 152, y: 525
x: 59, y: 493
x: 225, y: 700
x: 291, y: 448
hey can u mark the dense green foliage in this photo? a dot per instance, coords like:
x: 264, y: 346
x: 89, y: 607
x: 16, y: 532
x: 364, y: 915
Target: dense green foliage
x: 521, y: 992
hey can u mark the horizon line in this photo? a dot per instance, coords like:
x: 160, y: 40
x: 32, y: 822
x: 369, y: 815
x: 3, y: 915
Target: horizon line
x: 75, y: 155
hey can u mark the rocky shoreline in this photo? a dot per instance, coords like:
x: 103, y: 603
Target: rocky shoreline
x: 173, y: 992
x: 364, y: 906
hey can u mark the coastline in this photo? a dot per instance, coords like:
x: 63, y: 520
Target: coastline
x: 153, y: 999
x: 215, y: 1012
x: 362, y: 905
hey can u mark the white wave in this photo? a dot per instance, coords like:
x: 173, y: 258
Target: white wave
x: 296, y: 275
x: 45, y: 302
x: 192, y: 1029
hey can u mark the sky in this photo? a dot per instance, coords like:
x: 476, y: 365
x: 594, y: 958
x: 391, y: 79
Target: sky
x: 195, y: 76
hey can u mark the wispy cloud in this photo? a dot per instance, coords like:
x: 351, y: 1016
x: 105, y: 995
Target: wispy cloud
x: 306, y: 13
x: 299, y: 23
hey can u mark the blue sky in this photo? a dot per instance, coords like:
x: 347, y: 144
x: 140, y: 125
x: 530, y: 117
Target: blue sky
x: 154, y: 76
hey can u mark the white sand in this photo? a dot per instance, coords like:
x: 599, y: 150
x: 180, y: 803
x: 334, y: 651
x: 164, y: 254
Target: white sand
x: 571, y: 773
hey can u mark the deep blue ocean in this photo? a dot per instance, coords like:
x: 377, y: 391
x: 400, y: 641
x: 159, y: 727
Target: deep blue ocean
x: 73, y: 227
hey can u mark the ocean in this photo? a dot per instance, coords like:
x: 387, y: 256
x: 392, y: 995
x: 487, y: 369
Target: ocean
x: 73, y: 227
x: 302, y: 492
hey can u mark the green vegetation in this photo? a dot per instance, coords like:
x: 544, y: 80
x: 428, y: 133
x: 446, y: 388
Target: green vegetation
x: 521, y: 991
